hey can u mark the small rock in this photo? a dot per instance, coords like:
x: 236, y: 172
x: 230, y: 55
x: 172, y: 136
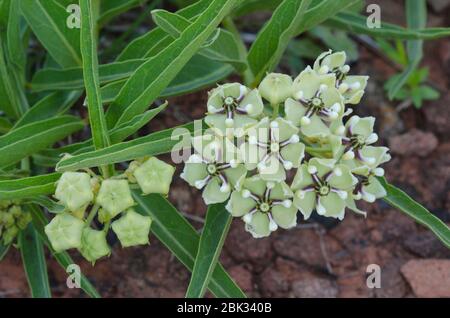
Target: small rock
x: 439, y: 5
x: 353, y: 285
x: 392, y: 282
x: 428, y: 277
x: 314, y: 288
x: 242, y: 276
x: 426, y: 245
x: 415, y: 142
x: 437, y: 117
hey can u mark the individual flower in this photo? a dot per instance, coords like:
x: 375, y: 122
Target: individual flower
x: 233, y: 107
x: 214, y: 168
x: 114, y: 197
x: 276, y: 88
x: 64, y: 232
x: 132, y: 228
x: 273, y: 147
x: 317, y: 103
x: 350, y: 86
x: 263, y: 205
x: 323, y: 185
x: 154, y: 176
x: 93, y: 244
x: 74, y: 190
x: 358, y: 134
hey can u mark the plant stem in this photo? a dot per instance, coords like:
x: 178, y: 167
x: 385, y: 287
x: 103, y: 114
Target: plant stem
x: 230, y: 26
x: 92, y: 214
x: 276, y: 110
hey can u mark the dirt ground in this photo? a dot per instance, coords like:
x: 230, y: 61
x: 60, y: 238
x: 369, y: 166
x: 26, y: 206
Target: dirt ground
x: 320, y: 258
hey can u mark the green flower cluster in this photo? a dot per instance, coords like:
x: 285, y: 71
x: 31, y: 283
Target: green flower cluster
x: 86, y: 195
x: 303, y: 153
x: 13, y: 219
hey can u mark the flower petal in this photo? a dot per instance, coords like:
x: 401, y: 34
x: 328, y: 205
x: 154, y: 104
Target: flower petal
x: 293, y: 153
x: 238, y: 205
x: 305, y: 203
x: 212, y: 193
x: 193, y: 172
x: 259, y: 225
x: 294, y: 111
x: 285, y: 217
x: 273, y: 170
x: 334, y: 205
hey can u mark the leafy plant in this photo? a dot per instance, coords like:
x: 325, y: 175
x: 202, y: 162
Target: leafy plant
x: 75, y: 167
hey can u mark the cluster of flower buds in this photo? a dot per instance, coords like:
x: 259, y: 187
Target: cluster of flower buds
x: 86, y: 195
x: 304, y: 153
x: 13, y: 219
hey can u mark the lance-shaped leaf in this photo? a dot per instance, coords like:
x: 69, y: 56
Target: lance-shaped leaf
x: 222, y: 47
x: 48, y: 20
x: 400, y: 200
x: 28, y: 187
x: 26, y: 140
x: 33, y: 259
x: 217, y: 224
x: 182, y: 240
x: 154, y: 144
x: 357, y: 23
x: 273, y: 39
x: 151, y: 78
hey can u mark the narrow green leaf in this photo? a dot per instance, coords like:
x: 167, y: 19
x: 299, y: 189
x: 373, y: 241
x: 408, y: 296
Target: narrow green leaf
x: 47, y: 203
x: 4, y: 250
x: 5, y: 125
x: 48, y: 20
x: 400, y: 200
x: 151, y: 145
x: 33, y: 259
x: 28, y: 187
x: 149, y: 80
x: 156, y: 39
x: 97, y: 120
x: 52, y: 105
x: 357, y: 23
x: 416, y: 17
x: 182, y: 240
x: 222, y: 47
x: 273, y: 39
x: 214, y: 233
x: 72, y: 78
x: 112, y: 8
x: 63, y: 258
x: 26, y: 140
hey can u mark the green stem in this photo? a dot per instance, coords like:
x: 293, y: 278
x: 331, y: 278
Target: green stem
x: 230, y: 26
x: 276, y: 110
x: 92, y: 214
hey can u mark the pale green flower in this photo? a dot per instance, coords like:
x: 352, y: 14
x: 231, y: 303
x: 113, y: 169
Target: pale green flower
x: 64, y: 232
x: 316, y: 105
x: 276, y: 88
x: 263, y: 205
x: 233, y: 107
x: 114, y: 197
x: 273, y: 147
x: 323, y: 185
x: 351, y: 87
x: 132, y: 228
x: 215, y: 168
x: 154, y: 176
x: 93, y: 244
x: 74, y: 190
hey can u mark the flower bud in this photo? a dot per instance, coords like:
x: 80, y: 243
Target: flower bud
x: 114, y: 197
x: 132, y: 228
x: 74, y: 190
x: 94, y: 245
x: 64, y: 232
x: 276, y: 88
x: 154, y: 176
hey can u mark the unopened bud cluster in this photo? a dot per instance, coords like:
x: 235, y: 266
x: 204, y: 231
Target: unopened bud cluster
x: 86, y: 196
x: 13, y: 219
x: 250, y: 150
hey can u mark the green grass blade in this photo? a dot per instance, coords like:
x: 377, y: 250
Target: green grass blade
x: 182, y: 240
x: 149, y: 80
x: 33, y: 259
x: 4, y: 250
x: 88, y: 45
x: 26, y: 140
x: 214, y: 233
x: 28, y: 187
x: 273, y: 39
x: 400, y: 200
x: 48, y: 20
x: 63, y: 258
